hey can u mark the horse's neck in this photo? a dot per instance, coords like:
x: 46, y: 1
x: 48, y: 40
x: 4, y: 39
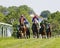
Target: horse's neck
x: 35, y: 24
x: 50, y: 28
x: 22, y: 21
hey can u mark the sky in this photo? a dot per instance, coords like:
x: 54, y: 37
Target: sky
x: 37, y: 5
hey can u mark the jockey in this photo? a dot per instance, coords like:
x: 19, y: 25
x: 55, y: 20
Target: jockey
x: 22, y: 19
x: 27, y: 24
x: 35, y: 19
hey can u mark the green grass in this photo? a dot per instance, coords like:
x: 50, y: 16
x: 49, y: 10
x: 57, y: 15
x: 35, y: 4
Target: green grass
x: 29, y: 43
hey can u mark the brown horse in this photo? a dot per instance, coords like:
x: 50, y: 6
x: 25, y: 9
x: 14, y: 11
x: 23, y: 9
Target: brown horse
x: 48, y: 31
x: 22, y: 29
x: 43, y: 31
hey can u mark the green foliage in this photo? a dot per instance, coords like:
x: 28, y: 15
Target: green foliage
x: 2, y: 9
x: 45, y: 14
x: 54, y: 19
x: 1, y: 17
x: 25, y: 11
x: 12, y: 14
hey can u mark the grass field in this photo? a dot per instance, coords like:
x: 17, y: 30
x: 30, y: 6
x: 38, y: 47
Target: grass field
x: 30, y: 43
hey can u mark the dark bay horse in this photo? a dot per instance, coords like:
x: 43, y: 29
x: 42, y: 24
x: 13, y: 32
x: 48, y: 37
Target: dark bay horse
x: 35, y: 29
x: 28, y: 33
x: 48, y: 30
x: 42, y: 31
x: 27, y: 29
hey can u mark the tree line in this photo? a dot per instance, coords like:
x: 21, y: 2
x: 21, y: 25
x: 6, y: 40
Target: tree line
x: 11, y: 16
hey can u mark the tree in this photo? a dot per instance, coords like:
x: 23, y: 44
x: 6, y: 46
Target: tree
x: 54, y: 19
x: 24, y: 9
x: 45, y: 14
x: 3, y: 10
x: 1, y: 17
x: 12, y: 15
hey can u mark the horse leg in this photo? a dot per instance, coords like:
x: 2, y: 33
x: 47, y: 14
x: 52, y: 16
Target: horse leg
x: 47, y: 35
x: 20, y: 34
x: 28, y: 33
x: 50, y: 34
x: 41, y: 35
x: 37, y: 35
x: 33, y: 34
x: 24, y: 34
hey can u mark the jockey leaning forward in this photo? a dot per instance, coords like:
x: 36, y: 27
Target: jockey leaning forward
x: 23, y: 21
x: 35, y: 19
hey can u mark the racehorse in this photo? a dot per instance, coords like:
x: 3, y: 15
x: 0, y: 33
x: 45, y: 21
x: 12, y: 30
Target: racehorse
x: 22, y: 28
x: 42, y: 31
x: 48, y: 31
x: 35, y: 29
x: 27, y: 29
x: 22, y: 31
x: 28, y: 33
